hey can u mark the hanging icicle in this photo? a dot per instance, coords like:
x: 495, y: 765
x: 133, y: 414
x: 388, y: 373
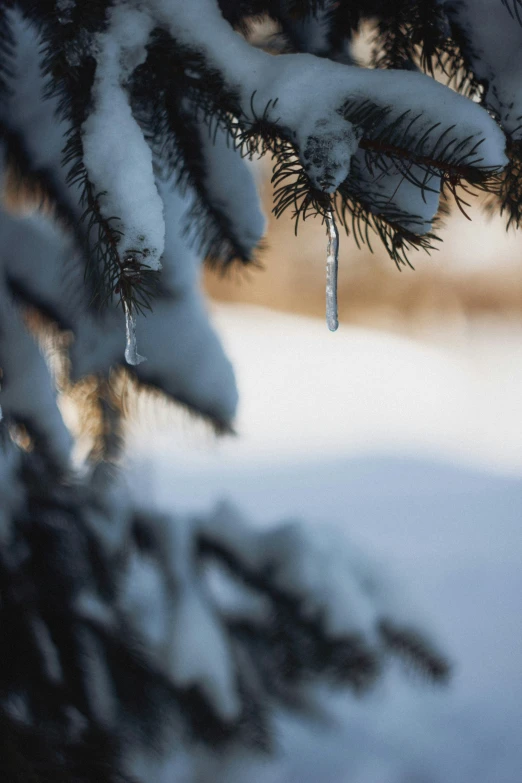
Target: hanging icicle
x: 131, y: 348
x: 332, y: 266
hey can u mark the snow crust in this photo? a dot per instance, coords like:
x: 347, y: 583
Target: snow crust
x: 40, y: 412
x: 495, y: 43
x: 22, y: 359
x: 413, y: 201
x: 195, y: 626
x: 25, y: 245
x: 232, y: 188
x: 34, y: 117
x: 116, y: 155
x: 183, y: 633
x: 40, y: 258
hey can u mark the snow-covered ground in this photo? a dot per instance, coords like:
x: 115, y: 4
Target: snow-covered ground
x: 306, y: 393
x: 416, y: 451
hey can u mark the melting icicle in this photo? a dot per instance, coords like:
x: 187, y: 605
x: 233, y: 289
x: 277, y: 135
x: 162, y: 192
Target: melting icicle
x: 131, y: 348
x: 332, y: 265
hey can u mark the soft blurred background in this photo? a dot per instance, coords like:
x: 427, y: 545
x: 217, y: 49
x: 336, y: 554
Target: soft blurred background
x: 403, y: 430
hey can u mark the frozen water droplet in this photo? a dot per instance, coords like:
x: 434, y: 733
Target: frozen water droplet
x: 131, y: 348
x: 332, y: 266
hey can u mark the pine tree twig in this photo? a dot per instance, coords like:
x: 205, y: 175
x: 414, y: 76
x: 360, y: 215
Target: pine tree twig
x: 515, y: 9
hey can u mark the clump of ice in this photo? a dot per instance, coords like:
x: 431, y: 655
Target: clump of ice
x: 332, y: 265
x: 132, y: 356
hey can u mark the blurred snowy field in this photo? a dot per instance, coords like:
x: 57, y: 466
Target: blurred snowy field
x: 306, y: 393
x: 415, y: 451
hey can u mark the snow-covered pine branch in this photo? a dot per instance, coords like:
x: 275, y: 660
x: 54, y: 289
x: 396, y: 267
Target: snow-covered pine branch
x: 126, y: 121
x: 143, y: 628
x: 491, y: 44
x: 101, y: 56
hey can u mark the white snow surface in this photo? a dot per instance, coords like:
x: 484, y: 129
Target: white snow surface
x: 21, y: 359
x: 173, y: 615
x: 310, y: 392
x: 27, y: 243
x: 28, y: 112
x: 40, y: 258
x: 116, y: 155
x: 412, y: 453
x: 387, y: 190
x: 232, y: 188
x: 495, y: 37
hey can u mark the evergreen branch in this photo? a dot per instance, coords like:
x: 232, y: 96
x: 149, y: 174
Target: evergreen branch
x: 292, y: 648
x: 293, y: 190
x: 514, y: 8
x: 6, y: 49
x: 402, y: 144
x: 176, y: 69
x: 417, y: 33
x: 413, y: 649
x: 127, y: 278
x: 302, y: 8
x: 260, y: 134
x: 343, y: 19
x: 454, y: 172
x: 70, y: 67
x: 290, y: 651
x: 508, y: 195
x: 180, y: 75
x: 379, y: 217
x: 454, y: 64
x: 191, y: 99
x: 408, y: 138
x: 407, y: 30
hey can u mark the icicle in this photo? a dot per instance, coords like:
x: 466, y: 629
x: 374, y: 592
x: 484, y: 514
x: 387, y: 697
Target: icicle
x: 332, y: 265
x: 131, y: 349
